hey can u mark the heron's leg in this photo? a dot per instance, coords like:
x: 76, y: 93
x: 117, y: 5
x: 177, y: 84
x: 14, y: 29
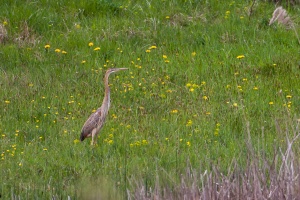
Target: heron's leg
x: 93, y: 137
x: 92, y: 143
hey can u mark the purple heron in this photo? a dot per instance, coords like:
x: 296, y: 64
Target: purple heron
x: 95, y: 122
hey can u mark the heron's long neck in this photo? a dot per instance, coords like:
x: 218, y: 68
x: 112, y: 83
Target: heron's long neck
x: 106, y: 100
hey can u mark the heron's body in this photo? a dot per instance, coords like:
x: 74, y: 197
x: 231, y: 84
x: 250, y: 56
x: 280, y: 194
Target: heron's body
x: 95, y: 122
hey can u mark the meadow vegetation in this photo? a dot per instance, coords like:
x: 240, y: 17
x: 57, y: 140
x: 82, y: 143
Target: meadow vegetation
x: 210, y: 103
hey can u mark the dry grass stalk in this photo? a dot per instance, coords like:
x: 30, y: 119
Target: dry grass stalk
x: 26, y: 36
x: 3, y: 33
x: 280, y: 15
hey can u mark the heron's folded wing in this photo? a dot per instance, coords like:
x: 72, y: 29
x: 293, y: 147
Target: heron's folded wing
x: 92, y: 122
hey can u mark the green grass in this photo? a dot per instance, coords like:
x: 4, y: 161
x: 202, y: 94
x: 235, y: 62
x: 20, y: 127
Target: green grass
x: 186, y: 102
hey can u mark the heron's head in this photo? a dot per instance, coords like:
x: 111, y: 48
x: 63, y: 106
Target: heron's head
x: 112, y: 70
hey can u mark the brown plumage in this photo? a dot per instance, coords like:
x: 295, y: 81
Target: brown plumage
x: 95, y: 122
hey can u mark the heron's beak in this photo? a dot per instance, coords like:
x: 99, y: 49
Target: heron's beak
x: 122, y: 69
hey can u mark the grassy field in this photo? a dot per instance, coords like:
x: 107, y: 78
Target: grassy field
x: 207, y: 83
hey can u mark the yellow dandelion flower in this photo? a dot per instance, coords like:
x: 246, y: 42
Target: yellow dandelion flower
x: 57, y: 50
x: 110, y: 142
x: 240, y: 57
x: 167, y: 17
x: 5, y: 23
x: 114, y: 116
x: 152, y: 47
x: 97, y: 49
x: 76, y: 141
x: 271, y: 103
x: 30, y: 84
x: 47, y: 46
x: 235, y: 104
x: 288, y: 96
x: 188, y: 143
x: 7, y: 101
x: 148, y: 51
x: 91, y: 44
x: 255, y: 88
x: 167, y: 61
x: 174, y: 111
x: 194, y: 53
x: 63, y: 52
x: 189, y: 123
x: 192, y: 89
x: 205, y: 98
x: 144, y: 142
x: 45, y: 149
x: 195, y: 85
x: 165, y: 56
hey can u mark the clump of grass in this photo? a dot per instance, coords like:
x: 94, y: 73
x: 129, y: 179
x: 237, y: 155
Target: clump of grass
x: 26, y: 36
